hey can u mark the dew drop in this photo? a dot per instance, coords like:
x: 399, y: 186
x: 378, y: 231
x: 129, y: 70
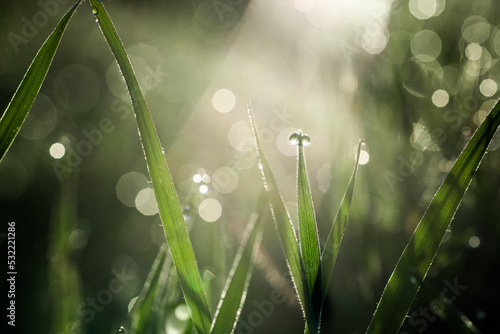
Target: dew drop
x: 186, y: 213
x: 94, y: 11
x: 295, y: 138
x: 364, y: 155
x: 306, y: 140
x: 96, y: 20
x: 120, y: 330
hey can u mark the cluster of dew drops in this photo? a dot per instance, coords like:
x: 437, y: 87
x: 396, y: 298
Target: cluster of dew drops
x: 297, y: 138
x: 120, y: 330
x: 300, y: 139
x: 94, y: 11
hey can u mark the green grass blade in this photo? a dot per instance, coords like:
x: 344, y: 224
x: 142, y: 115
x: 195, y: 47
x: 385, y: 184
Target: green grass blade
x: 143, y: 318
x: 234, y: 294
x: 65, y: 292
x: 163, y: 185
x: 399, y: 292
x: 308, y: 230
x: 331, y: 249
x: 18, y: 108
x: 285, y: 229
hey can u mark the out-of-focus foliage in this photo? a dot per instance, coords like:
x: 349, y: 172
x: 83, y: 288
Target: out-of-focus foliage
x: 413, y: 78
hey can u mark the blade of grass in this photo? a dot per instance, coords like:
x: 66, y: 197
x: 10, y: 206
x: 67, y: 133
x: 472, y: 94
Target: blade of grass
x: 234, y: 294
x: 65, y: 288
x: 331, y: 249
x: 20, y: 105
x: 163, y: 185
x: 285, y: 229
x: 308, y: 231
x: 143, y: 319
x: 399, y: 292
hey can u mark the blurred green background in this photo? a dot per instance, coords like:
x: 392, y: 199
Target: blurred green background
x: 414, y: 78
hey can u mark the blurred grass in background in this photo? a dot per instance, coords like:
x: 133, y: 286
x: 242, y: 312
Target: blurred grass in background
x: 414, y: 79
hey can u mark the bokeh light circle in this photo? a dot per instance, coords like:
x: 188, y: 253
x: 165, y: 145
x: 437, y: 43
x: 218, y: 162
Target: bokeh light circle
x: 210, y: 210
x: 426, y: 45
x: 476, y: 29
x: 375, y: 38
x: 488, y: 87
x: 145, y: 202
x: 425, y: 9
x: 223, y: 100
x: 473, y: 51
x: 57, y: 150
x: 128, y: 187
x: 440, y: 98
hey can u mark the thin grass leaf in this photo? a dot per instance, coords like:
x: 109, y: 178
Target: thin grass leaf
x: 399, y: 292
x: 66, y: 295
x: 143, y: 313
x: 331, y: 248
x: 163, y: 185
x: 286, y: 231
x: 20, y: 105
x: 234, y: 294
x: 308, y: 229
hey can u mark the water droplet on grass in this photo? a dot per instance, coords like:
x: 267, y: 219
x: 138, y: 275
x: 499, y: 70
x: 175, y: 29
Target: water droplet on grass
x: 94, y: 11
x: 364, y: 155
x: 295, y: 138
x: 120, y: 330
x: 306, y: 140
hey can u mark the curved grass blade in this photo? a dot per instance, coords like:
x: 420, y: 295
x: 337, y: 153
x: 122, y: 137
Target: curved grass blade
x: 285, y: 229
x: 234, y: 294
x: 331, y: 249
x: 142, y: 315
x: 163, y: 185
x: 399, y: 292
x: 308, y: 230
x: 20, y: 105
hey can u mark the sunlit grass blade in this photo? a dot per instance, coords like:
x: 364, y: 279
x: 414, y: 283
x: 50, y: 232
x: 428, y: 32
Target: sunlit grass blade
x: 308, y: 230
x: 163, y: 185
x: 20, y: 105
x: 444, y: 308
x: 234, y: 294
x: 332, y: 245
x: 285, y: 229
x: 143, y: 313
x: 399, y: 292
